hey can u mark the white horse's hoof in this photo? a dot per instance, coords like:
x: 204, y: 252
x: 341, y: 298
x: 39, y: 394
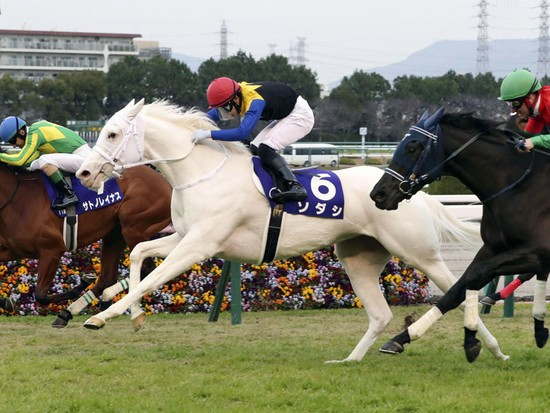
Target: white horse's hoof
x: 138, y: 321
x: 340, y: 361
x: 94, y: 323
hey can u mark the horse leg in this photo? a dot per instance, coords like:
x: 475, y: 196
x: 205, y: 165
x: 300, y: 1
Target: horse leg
x: 429, y: 261
x: 506, y: 291
x: 539, y: 311
x: 450, y: 300
x: 177, y: 262
x: 111, y: 249
x: 47, y: 266
x: 363, y: 259
x: 159, y: 247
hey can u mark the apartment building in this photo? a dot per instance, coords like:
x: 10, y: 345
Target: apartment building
x: 37, y: 55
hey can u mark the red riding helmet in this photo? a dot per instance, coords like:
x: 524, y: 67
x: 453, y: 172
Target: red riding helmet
x: 222, y: 91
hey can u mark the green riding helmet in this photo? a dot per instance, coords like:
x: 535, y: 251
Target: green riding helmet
x: 518, y: 84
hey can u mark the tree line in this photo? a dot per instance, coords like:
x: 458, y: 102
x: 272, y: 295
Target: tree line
x: 362, y: 99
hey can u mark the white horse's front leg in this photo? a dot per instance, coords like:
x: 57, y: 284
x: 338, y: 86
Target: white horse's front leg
x: 185, y: 254
x: 159, y: 247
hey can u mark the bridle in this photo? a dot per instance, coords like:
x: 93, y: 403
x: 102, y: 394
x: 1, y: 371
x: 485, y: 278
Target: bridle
x: 133, y: 141
x: 408, y: 186
x: 115, y: 157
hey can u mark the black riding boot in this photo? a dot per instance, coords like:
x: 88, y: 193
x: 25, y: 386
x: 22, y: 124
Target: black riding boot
x: 66, y: 196
x: 293, y: 190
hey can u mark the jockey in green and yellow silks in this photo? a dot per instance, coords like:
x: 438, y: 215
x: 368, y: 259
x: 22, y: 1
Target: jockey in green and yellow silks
x: 46, y: 146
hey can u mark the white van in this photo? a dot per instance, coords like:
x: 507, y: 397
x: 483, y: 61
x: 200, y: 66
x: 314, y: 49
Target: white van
x: 307, y: 154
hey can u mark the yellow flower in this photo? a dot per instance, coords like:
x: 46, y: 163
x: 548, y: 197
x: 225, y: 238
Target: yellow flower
x: 23, y: 288
x: 307, y: 292
x: 178, y: 299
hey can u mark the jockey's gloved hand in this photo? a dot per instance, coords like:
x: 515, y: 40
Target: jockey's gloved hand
x: 200, y: 134
x: 520, y: 146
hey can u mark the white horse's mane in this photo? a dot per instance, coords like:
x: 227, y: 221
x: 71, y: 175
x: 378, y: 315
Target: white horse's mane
x: 191, y: 118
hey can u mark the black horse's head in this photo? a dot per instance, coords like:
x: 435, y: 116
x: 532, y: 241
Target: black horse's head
x: 417, y: 161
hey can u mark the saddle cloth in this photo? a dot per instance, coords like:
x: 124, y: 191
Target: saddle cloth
x: 88, y: 200
x: 325, y: 195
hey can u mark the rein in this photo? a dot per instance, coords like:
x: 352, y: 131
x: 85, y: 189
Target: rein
x: 133, y: 131
x: 12, y: 194
x: 407, y: 185
x: 513, y: 184
x: 210, y: 175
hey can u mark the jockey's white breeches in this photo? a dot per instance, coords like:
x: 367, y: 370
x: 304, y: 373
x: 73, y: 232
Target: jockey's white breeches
x: 69, y: 162
x: 281, y: 133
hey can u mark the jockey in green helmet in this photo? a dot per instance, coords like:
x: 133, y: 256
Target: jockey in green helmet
x: 531, y: 101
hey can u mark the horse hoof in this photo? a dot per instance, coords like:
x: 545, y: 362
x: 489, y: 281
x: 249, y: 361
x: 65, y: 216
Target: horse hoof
x: 487, y: 301
x: 139, y: 321
x: 340, y: 361
x: 62, y: 319
x: 472, y: 350
x: 59, y: 323
x: 541, y: 337
x: 94, y: 323
x: 391, y: 347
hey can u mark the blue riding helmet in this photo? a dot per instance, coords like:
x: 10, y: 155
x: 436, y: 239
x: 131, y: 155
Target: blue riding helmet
x: 10, y: 127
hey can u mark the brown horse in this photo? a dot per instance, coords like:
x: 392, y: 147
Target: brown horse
x: 30, y: 229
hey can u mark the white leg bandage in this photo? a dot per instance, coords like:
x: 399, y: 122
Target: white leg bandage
x: 418, y: 328
x: 81, y: 303
x: 539, y: 300
x: 470, y: 310
x: 109, y: 293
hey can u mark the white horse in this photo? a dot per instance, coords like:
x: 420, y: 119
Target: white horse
x: 218, y: 210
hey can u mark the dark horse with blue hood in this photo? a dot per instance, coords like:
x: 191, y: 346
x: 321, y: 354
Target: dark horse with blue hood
x: 516, y: 211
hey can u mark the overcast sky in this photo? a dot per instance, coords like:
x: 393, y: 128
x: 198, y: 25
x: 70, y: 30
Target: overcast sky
x: 340, y: 36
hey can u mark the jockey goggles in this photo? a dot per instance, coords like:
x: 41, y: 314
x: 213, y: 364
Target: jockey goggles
x: 516, y: 103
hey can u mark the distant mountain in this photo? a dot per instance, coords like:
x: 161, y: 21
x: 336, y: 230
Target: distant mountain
x: 461, y: 56
x: 191, y: 61
x: 442, y: 56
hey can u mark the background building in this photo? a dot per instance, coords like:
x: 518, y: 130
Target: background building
x: 37, y: 55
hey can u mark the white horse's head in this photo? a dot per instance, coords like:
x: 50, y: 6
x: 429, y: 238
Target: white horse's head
x: 119, y: 144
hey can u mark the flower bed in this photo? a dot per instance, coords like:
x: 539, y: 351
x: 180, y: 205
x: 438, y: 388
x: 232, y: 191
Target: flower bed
x: 313, y: 280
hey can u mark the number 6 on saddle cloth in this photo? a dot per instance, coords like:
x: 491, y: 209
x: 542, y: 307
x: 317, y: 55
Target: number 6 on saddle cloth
x: 325, y: 196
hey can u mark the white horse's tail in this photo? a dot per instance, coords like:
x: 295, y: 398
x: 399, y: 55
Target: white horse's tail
x: 450, y: 228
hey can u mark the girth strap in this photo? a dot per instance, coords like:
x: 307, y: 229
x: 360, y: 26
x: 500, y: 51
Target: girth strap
x: 273, y: 233
x: 70, y: 225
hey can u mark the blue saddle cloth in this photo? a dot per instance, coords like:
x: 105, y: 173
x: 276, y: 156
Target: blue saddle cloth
x: 325, y: 195
x: 88, y: 200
